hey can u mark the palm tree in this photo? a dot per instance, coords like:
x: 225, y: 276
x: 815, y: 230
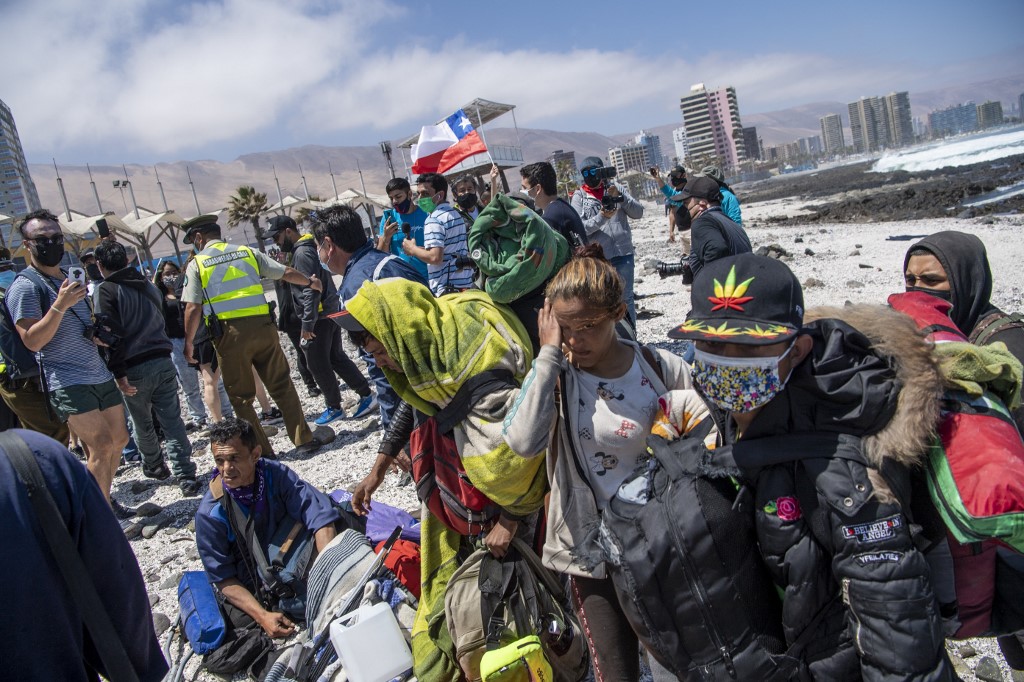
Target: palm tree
x: 246, y: 205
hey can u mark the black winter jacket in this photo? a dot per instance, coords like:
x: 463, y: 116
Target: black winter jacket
x: 307, y: 301
x: 132, y: 307
x: 827, y: 461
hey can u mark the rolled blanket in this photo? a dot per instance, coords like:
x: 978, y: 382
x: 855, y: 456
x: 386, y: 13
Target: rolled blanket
x: 514, y: 248
x: 975, y: 369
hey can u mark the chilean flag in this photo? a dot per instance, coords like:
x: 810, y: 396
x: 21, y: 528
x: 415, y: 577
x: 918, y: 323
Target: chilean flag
x: 444, y: 146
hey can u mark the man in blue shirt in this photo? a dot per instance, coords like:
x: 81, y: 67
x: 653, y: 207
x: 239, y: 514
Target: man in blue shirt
x: 275, y: 495
x: 342, y: 245
x: 391, y: 232
x: 42, y: 636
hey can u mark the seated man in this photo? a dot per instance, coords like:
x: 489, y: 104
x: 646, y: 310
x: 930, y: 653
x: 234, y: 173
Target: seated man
x: 276, y: 495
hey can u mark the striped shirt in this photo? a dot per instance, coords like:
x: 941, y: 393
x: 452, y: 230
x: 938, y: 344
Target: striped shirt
x: 68, y: 359
x: 446, y: 228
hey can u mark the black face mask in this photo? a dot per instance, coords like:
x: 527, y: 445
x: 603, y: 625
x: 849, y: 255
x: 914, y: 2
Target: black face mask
x: 48, y: 254
x: 93, y: 271
x: 403, y: 206
x: 287, y: 245
x: 944, y: 295
x: 683, y: 219
x: 467, y: 202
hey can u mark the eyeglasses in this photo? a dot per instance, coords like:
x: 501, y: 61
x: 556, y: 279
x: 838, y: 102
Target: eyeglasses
x: 927, y: 280
x: 47, y: 241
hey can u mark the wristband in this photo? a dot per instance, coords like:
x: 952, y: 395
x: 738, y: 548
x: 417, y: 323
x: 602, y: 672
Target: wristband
x: 59, y: 310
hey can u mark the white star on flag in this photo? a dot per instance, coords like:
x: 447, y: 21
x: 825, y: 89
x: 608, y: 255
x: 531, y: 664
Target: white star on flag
x: 464, y: 123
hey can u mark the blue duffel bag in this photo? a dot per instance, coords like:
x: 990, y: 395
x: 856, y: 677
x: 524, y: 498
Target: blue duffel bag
x: 201, y: 616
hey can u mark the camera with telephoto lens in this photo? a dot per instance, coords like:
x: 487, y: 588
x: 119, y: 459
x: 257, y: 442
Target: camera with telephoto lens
x: 100, y: 332
x: 673, y: 269
x: 609, y: 203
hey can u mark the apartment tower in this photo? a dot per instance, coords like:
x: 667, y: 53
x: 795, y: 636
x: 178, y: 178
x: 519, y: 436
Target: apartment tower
x: 832, y: 134
x: 18, y: 194
x: 714, y: 133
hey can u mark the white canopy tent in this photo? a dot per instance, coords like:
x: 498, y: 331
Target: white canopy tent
x: 288, y: 204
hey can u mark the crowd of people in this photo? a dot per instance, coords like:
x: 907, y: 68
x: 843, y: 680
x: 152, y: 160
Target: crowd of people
x: 817, y: 422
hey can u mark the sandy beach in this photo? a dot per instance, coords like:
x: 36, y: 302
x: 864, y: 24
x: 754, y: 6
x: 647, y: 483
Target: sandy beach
x: 849, y: 262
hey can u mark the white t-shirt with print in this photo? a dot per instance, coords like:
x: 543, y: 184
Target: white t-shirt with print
x: 615, y: 418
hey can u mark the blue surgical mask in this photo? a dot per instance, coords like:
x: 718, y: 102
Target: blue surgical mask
x: 738, y: 384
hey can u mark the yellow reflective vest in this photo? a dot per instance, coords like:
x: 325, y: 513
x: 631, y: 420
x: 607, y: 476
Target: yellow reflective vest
x: 230, y: 277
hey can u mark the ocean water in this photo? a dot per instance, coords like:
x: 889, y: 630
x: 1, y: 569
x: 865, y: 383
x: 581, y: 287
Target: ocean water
x: 956, y: 152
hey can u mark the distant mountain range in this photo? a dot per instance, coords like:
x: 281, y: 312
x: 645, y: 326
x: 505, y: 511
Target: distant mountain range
x: 215, y: 181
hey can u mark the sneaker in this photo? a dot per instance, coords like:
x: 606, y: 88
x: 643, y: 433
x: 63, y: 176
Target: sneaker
x: 366, y: 405
x: 313, y: 391
x: 189, y: 486
x: 310, y: 447
x: 162, y: 473
x: 274, y: 416
x: 195, y: 425
x: 330, y: 414
x: 120, y: 511
x: 79, y: 452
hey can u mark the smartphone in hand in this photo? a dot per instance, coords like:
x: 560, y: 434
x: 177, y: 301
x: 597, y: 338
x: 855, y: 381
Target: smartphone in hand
x: 77, y: 275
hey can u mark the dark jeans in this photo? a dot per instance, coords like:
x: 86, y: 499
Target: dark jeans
x: 156, y: 383
x: 614, y: 648
x: 325, y: 356
x: 296, y: 338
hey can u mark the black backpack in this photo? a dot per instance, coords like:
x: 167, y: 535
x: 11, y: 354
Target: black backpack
x: 20, y: 361
x: 683, y: 558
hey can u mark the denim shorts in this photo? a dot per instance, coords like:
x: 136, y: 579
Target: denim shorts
x: 82, y: 398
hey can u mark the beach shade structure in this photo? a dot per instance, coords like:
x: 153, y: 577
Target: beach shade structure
x: 287, y: 204
x: 150, y: 226
x: 367, y: 205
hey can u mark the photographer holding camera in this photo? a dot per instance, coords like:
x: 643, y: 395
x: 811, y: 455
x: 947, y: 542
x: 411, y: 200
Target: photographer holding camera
x: 130, y: 324
x: 606, y: 208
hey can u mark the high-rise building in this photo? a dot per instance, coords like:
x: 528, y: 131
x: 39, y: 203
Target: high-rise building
x: 18, y: 194
x: 751, y: 143
x: 681, y: 146
x: 1020, y: 107
x: 881, y: 122
x: 954, y: 120
x: 810, y: 146
x: 558, y: 156
x: 990, y: 114
x: 868, y: 124
x: 713, y: 128
x: 897, y: 112
x: 630, y: 157
x: 653, y: 144
x: 832, y: 134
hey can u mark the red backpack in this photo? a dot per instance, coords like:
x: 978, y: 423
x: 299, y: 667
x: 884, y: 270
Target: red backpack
x: 974, y: 476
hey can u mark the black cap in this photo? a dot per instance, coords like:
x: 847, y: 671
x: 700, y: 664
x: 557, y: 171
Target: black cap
x: 343, y: 318
x: 746, y: 299
x: 201, y: 223
x: 701, y: 187
x: 277, y: 225
x: 591, y: 162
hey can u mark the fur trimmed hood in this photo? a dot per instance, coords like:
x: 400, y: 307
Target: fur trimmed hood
x: 871, y: 374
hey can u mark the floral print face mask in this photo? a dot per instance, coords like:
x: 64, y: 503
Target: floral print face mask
x: 738, y: 384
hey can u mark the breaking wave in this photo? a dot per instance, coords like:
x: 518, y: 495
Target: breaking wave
x: 960, y: 152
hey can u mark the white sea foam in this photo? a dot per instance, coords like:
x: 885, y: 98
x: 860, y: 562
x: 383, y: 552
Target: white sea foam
x: 961, y: 152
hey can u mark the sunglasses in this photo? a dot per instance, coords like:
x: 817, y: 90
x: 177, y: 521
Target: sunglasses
x: 47, y: 241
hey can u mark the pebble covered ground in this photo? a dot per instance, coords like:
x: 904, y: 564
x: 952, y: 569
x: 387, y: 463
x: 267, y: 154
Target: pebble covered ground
x: 837, y: 263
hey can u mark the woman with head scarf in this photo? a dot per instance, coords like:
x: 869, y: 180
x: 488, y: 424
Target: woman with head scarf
x: 428, y: 348
x: 954, y: 266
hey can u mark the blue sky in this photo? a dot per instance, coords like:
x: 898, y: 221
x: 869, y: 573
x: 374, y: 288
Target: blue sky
x: 113, y: 81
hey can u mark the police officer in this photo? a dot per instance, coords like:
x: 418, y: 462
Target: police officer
x: 223, y: 286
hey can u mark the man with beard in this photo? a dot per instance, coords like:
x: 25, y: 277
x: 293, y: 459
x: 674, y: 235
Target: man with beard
x: 80, y: 388
x: 321, y: 340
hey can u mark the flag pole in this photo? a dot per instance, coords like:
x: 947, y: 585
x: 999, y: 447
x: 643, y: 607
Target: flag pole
x: 480, y: 129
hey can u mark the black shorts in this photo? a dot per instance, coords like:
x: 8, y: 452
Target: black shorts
x: 205, y: 354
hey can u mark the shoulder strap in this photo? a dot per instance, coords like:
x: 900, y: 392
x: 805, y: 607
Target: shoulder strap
x: 41, y: 288
x: 992, y: 325
x: 655, y: 363
x: 245, y: 535
x: 108, y: 644
x: 470, y: 393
